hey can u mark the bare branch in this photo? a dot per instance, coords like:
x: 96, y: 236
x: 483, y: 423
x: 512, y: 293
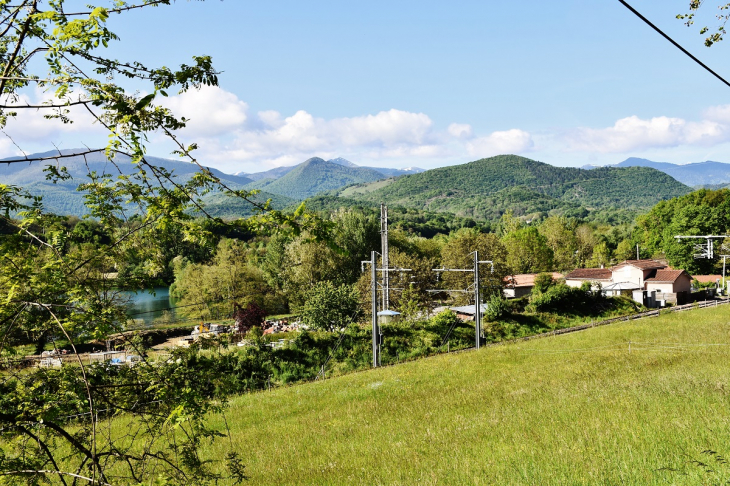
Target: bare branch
x: 122, y: 9
x: 31, y: 471
x: 21, y: 107
x: 14, y: 55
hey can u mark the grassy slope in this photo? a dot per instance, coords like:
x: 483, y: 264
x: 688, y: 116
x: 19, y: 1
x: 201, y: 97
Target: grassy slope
x: 550, y: 411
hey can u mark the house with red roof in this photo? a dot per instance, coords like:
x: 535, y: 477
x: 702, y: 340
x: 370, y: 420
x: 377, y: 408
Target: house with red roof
x: 646, y: 281
x: 669, y: 282
x: 516, y: 286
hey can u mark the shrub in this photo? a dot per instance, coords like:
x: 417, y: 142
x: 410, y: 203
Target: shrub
x: 497, y: 307
x: 562, y: 298
x: 543, y: 281
x: 444, y: 320
x: 329, y: 306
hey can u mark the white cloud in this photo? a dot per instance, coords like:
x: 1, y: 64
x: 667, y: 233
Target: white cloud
x: 460, y: 130
x: 513, y: 141
x: 633, y: 133
x: 720, y: 114
x: 211, y: 111
x: 275, y: 140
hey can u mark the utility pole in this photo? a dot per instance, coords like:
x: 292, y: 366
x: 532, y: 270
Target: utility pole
x: 477, y: 301
x: 373, y: 262
x: 384, y: 249
x: 374, y: 290
x: 477, y: 298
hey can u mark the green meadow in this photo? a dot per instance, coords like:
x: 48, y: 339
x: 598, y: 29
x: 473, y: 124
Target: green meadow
x: 642, y: 402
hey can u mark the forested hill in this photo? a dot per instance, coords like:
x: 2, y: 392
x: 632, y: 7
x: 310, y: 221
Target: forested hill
x: 317, y: 175
x: 461, y: 188
x: 63, y: 198
x: 24, y: 173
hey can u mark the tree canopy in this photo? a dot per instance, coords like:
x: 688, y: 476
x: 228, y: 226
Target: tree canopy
x: 55, y: 285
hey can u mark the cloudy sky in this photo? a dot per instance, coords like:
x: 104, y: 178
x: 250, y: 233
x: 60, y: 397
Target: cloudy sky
x: 426, y: 84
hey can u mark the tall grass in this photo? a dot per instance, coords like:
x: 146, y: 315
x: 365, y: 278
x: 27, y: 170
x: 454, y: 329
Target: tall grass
x: 573, y: 409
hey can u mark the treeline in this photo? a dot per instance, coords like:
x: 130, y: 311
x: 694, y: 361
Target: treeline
x: 538, y: 187
x: 286, y: 273
x: 289, y: 272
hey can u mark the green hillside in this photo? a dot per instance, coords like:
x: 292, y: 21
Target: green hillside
x: 488, y: 186
x: 583, y: 408
x: 221, y: 206
x: 317, y: 175
x: 63, y: 198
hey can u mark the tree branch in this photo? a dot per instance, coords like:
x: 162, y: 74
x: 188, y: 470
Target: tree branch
x: 31, y: 471
x: 45, y: 449
x: 14, y: 55
x: 119, y: 10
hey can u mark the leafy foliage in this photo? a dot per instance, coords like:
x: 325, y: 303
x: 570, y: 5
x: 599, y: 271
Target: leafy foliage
x: 330, y: 306
x: 528, y: 251
x: 561, y: 298
x: 247, y: 317
x: 543, y: 282
x: 702, y: 212
x: 717, y: 33
x: 497, y: 308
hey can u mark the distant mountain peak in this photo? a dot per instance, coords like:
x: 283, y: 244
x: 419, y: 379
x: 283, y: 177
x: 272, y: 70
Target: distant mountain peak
x: 692, y: 174
x: 341, y: 161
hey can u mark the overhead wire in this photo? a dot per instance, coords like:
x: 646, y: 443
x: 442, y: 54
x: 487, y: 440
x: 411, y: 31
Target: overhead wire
x: 685, y: 51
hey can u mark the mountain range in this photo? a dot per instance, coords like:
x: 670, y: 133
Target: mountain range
x: 708, y: 173
x: 316, y: 175
x: 483, y: 189
x: 282, y: 171
x: 63, y: 198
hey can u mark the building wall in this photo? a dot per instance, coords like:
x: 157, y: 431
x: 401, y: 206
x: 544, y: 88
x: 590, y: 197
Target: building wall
x: 631, y: 274
x: 683, y: 284
x: 660, y: 288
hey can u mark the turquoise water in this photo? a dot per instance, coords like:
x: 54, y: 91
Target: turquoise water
x: 149, y: 305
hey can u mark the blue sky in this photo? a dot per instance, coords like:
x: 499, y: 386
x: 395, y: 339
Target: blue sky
x: 430, y: 83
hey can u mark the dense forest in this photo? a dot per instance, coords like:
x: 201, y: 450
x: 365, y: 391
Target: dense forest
x: 486, y: 188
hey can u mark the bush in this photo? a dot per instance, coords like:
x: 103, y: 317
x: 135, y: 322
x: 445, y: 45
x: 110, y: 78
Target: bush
x: 543, y: 281
x: 444, y: 320
x: 497, y: 307
x: 562, y: 298
x: 330, y: 307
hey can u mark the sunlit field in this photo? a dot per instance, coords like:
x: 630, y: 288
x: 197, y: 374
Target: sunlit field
x: 632, y: 403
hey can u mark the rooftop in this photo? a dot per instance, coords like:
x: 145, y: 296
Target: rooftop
x: 667, y: 276
x: 590, y: 274
x: 468, y: 309
x: 707, y: 278
x: 622, y: 286
x: 526, y: 279
x: 641, y: 264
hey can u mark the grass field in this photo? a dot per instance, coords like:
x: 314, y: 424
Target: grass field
x: 583, y: 408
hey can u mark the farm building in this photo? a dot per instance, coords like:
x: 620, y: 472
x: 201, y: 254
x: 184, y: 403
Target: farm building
x: 647, y: 280
x: 601, y: 276
x: 516, y: 286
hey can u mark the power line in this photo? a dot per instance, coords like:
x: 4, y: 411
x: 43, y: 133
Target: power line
x: 648, y: 22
